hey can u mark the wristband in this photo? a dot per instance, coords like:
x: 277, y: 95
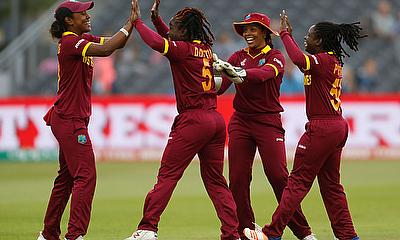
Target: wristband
x: 123, y: 30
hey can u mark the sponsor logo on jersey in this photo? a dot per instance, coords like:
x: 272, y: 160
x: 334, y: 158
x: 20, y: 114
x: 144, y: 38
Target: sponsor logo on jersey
x: 242, y: 63
x: 79, y: 43
x: 278, y: 62
x: 315, y: 59
x: 82, y: 139
x: 261, y: 62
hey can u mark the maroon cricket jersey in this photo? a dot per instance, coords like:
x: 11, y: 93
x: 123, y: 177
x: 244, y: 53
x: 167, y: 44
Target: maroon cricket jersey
x: 259, y: 93
x: 75, y: 72
x: 322, y: 79
x: 322, y: 85
x: 191, y: 66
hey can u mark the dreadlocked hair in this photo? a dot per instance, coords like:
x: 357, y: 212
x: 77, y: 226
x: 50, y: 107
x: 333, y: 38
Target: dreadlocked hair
x: 333, y: 35
x: 196, y: 25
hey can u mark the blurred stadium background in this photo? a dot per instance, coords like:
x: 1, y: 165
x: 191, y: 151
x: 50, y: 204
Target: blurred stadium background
x: 134, y: 106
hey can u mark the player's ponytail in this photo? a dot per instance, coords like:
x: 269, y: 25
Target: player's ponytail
x: 350, y: 33
x: 332, y: 35
x: 58, y: 27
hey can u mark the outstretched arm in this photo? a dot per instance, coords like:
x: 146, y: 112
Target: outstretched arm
x: 151, y: 38
x: 115, y: 42
x: 292, y: 49
x: 158, y: 23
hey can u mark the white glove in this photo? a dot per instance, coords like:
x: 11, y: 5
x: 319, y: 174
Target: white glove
x: 217, y: 65
x: 235, y: 74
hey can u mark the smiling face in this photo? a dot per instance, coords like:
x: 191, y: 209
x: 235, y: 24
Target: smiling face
x: 312, y: 43
x: 79, y: 22
x: 255, y: 35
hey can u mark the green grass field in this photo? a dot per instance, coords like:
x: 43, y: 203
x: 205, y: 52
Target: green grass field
x: 372, y: 189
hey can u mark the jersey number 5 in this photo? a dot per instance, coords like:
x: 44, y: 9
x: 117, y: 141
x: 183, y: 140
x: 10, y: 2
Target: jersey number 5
x: 336, y: 92
x: 206, y: 73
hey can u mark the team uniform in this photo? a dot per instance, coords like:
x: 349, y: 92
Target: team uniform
x: 198, y: 129
x: 256, y: 124
x: 319, y: 149
x: 69, y: 118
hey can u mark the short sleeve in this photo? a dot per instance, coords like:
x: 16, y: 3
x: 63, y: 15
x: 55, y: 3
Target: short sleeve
x: 76, y: 46
x: 92, y: 38
x: 312, y: 61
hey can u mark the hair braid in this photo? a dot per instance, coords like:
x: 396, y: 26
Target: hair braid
x: 333, y: 35
x: 196, y: 24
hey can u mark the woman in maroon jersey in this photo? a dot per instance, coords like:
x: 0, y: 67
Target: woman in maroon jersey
x: 69, y: 117
x: 319, y: 150
x: 198, y: 128
x: 256, y: 122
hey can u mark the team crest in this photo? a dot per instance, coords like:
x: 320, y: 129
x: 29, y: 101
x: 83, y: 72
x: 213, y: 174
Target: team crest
x: 82, y: 139
x: 261, y: 62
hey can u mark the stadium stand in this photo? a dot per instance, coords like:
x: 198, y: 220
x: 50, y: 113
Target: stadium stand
x: 28, y: 66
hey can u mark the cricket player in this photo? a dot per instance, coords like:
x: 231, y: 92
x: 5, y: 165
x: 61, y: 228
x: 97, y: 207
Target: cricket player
x: 198, y: 128
x: 69, y: 117
x: 318, y: 152
x: 256, y: 122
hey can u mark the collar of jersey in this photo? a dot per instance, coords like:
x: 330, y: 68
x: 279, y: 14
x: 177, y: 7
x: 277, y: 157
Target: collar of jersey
x: 69, y: 33
x: 330, y: 53
x: 197, y: 41
x: 265, y: 50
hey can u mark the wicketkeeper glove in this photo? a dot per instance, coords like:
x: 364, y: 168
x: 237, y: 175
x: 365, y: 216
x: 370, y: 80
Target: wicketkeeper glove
x: 218, y: 82
x: 235, y: 74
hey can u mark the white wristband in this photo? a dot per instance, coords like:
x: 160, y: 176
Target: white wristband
x: 123, y: 30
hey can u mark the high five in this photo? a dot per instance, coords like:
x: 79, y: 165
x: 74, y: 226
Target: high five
x: 198, y: 128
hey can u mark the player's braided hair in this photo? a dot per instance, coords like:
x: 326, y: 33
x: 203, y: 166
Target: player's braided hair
x: 333, y: 35
x: 196, y: 25
x: 58, y: 26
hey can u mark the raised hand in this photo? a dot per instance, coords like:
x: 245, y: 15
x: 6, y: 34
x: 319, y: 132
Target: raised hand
x: 284, y: 23
x: 135, y: 10
x: 154, y: 10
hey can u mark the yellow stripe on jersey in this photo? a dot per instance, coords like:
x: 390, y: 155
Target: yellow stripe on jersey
x: 273, y: 66
x: 102, y: 39
x: 166, y: 46
x: 265, y: 50
x: 85, y: 49
x: 308, y: 65
x: 69, y: 33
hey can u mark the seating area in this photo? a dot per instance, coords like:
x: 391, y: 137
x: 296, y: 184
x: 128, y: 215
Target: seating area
x: 141, y: 70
